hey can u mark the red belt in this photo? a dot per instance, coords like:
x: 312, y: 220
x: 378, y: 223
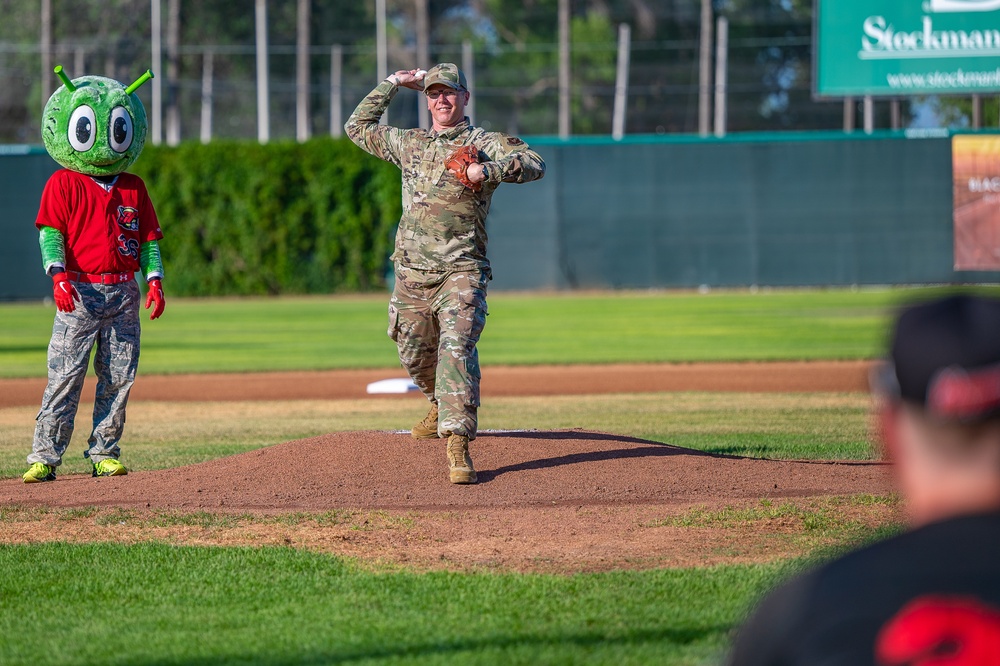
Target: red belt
x: 100, y: 278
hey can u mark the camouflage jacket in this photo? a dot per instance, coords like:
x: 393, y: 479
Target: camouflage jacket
x: 443, y: 224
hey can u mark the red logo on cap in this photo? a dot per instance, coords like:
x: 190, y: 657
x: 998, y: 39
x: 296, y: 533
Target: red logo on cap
x: 941, y: 631
x: 960, y: 393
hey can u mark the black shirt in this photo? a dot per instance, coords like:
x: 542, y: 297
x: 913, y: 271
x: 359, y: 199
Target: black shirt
x: 936, y: 588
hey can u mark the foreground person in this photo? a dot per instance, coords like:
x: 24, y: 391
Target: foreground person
x: 932, y: 594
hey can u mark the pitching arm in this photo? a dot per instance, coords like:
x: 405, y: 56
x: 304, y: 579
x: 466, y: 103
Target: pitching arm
x: 364, y: 129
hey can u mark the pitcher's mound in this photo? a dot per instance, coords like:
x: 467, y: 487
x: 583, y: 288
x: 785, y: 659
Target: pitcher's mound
x: 382, y: 470
x: 546, y: 501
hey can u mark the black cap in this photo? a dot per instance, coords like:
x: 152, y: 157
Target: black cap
x: 946, y: 356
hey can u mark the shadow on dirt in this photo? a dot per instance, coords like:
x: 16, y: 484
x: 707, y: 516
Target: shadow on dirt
x: 657, y: 450
x: 572, y: 434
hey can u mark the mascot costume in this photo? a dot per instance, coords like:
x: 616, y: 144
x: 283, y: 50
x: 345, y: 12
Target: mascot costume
x: 97, y: 227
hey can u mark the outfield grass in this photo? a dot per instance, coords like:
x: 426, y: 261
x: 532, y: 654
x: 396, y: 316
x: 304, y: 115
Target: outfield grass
x: 246, y: 335
x: 159, y: 604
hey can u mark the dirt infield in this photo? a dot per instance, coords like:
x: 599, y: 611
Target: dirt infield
x: 547, y: 501
x: 832, y: 376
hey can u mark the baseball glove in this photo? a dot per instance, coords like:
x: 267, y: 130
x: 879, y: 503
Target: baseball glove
x: 458, y: 164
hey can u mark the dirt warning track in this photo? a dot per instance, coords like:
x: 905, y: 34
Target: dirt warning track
x: 832, y: 376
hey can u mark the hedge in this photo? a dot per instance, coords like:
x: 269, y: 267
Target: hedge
x: 240, y: 218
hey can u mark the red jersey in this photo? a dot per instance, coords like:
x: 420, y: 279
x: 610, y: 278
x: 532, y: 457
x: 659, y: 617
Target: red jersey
x: 103, y: 230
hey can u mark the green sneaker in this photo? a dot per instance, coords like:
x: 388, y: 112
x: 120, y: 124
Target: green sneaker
x: 109, y: 467
x: 39, y: 472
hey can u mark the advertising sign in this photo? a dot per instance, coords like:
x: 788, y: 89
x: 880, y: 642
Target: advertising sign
x: 896, y: 48
x: 976, y: 178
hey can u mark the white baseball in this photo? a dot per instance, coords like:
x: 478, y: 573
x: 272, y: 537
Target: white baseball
x: 420, y: 73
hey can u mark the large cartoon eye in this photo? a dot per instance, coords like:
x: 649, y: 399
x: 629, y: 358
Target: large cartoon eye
x: 81, y: 128
x: 120, y: 130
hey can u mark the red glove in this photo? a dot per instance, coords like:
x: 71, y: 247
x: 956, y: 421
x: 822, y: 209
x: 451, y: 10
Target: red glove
x: 458, y: 164
x: 64, y: 292
x: 155, y: 298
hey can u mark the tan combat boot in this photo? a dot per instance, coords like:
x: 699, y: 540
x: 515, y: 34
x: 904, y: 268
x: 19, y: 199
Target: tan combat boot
x: 428, y: 428
x: 459, y: 463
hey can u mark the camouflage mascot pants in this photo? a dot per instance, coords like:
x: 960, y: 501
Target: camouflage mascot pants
x: 436, y: 319
x: 108, y: 317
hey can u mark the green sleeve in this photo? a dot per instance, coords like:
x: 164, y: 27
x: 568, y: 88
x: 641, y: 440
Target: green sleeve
x: 53, y: 247
x: 150, y: 262
x: 365, y: 131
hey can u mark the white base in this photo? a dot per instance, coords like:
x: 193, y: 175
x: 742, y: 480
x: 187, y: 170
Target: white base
x: 392, y: 386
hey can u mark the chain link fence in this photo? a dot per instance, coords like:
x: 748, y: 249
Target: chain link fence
x: 210, y: 91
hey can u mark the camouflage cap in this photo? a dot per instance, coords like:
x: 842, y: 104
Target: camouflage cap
x: 447, y: 74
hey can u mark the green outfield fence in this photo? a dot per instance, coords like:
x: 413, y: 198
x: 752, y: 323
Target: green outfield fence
x: 788, y: 209
x: 23, y: 172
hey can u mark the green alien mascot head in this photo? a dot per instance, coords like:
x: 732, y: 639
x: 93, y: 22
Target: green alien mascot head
x: 94, y: 125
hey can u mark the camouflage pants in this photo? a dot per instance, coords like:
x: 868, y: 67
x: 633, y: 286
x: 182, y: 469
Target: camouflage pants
x: 436, y: 319
x: 107, y: 318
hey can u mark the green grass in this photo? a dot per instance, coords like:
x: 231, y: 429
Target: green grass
x: 772, y: 425
x: 356, y: 519
x: 822, y: 527
x: 185, y: 605
x: 159, y: 604
x: 313, y: 333
x: 822, y: 516
x: 818, y: 426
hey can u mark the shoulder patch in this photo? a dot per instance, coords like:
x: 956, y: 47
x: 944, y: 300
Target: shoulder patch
x: 514, y: 141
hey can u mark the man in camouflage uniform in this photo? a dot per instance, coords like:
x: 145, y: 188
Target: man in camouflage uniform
x: 438, y: 306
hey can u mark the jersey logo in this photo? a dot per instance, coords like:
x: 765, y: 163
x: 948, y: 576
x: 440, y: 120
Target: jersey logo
x: 128, y: 247
x: 943, y: 631
x: 128, y: 218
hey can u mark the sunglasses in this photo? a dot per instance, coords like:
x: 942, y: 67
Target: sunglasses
x: 448, y: 92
